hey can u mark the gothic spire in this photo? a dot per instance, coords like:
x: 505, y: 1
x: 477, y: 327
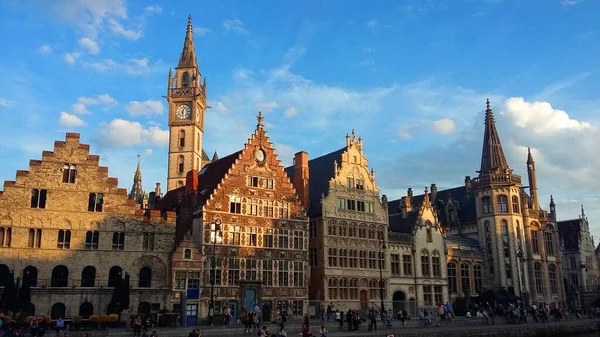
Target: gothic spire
x: 137, y: 192
x: 188, y: 55
x: 492, y: 156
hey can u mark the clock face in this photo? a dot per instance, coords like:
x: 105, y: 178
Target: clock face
x: 259, y: 155
x: 197, y: 115
x: 183, y: 111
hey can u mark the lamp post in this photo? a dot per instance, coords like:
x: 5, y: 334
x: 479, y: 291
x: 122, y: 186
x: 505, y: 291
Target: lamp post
x: 519, y: 259
x: 381, y: 260
x: 213, y: 274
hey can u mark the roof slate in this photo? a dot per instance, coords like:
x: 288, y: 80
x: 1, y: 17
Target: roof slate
x: 570, y: 231
x: 321, y: 171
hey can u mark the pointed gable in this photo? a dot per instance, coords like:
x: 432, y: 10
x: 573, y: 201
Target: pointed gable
x: 493, y: 159
x: 233, y: 175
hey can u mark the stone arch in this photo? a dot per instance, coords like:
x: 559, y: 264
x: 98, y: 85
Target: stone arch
x: 32, y: 274
x: 60, y: 276
x: 86, y: 309
x: 114, y: 275
x: 58, y: 310
x: 88, y: 277
x: 29, y: 309
x: 158, y: 267
x: 144, y: 308
x: 4, y: 274
x: 399, y: 300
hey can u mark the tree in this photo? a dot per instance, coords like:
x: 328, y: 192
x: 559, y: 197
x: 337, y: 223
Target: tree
x: 24, y: 298
x: 9, y: 301
x: 120, y: 296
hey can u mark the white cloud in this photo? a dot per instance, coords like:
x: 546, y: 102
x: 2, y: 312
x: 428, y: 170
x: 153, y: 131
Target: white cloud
x: 219, y: 107
x: 90, y: 45
x: 5, y: 103
x: 367, y: 50
x: 124, y: 133
x: 81, y: 107
x: 149, y: 152
x: 71, y: 58
x: 285, y: 153
x: 147, y: 108
x: 571, y: 2
x: 444, y: 126
x: 132, y: 66
x: 372, y: 24
x: 69, y: 120
x: 404, y: 132
x: 541, y: 117
x: 45, y: 49
x: 154, y: 9
x: 117, y: 28
x: 290, y: 112
x: 201, y: 31
x: 267, y: 106
x: 235, y: 26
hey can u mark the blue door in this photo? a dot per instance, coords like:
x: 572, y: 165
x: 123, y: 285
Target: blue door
x: 193, y: 289
x: 234, y: 311
x: 191, y: 314
x: 249, y: 299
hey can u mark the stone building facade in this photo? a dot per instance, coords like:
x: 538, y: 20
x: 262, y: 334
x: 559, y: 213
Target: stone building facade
x: 505, y: 239
x: 251, y: 229
x: 69, y: 226
x: 348, y: 226
x: 417, y: 250
x: 580, y: 262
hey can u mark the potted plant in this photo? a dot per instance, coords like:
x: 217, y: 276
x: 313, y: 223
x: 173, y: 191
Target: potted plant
x: 77, y: 322
x: 95, y: 319
x: 112, y: 320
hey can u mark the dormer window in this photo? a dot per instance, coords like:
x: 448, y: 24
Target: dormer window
x: 187, y: 254
x: 185, y: 80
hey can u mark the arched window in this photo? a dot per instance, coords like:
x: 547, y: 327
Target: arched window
x: 552, y: 277
x: 88, y: 277
x: 114, y: 276
x: 452, y: 281
x: 465, y: 277
x: 4, y: 274
x: 429, y: 234
x: 486, y: 203
x: 502, y: 204
x: 60, y: 276
x: 187, y: 254
x: 181, y: 138
x: 86, y: 309
x: 515, y: 204
x: 145, y: 278
x: 181, y: 164
x: 425, y: 265
x: 436, y: 264
x: 31, y: 273
x: 58, y: 310
x: 537, y: 275
x: 478, y: 278
x: 185, y: 80
x: 144, y: 308
x: 504, y: 225
x: 549, y: 243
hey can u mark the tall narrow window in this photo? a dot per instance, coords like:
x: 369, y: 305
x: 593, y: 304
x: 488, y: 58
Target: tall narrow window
x: 35, y: 238
x: 251, y: 269
x: 425, y: 265
x: 515, y: 204
x: 181, y: 138
x: 267, y: 273
x: 465, y: 277
x: 407, y: 267
x: 552, y: 277
x: 185, y: 80
x: 502, y: 204
x: 5, y: 236
x: 69, y: 173
x: 64, y: 239
x: 91, y: 239
x: 549, y: 243
x: 148, y: 242
x: 395, y: 258
x: 504, y: 228
x: 537, y: 275
x: 535, y: 243
x: 427, y: 295
x: 233, y: 272
x: 181, y: 164
x: 118, y: 241
x: 198, y: 142
x: 452, y: 278
x: 435, y: 264
x: 486, y: 203
x: 429, y: 235
x: 283, y: 273
x: 38, y: 198
x: 299, y: 269
x: 508, y: 271
x: 478, y: 278
x: 95, y: 202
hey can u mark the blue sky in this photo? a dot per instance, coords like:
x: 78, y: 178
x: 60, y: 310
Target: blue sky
x: 410, y: 76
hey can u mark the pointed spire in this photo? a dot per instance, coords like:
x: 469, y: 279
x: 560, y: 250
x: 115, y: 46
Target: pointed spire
x: 582, y: 212
x: 260, y: 120
x: 492, y: 154
x: 138, y: 169
x: 552, y: 204
x: 215, y: 156
x: 137, y: 192
x: 529, y: 156
x: 188, y: 55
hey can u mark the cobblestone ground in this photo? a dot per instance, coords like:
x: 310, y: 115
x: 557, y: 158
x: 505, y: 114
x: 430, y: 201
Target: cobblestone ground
x: 459, y: 327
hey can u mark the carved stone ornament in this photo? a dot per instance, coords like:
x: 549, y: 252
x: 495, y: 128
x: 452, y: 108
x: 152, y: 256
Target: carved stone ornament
x: 283, y: 292
x: 298, y: 293
x: 246, y: 168
x: 268, y: 292
x: 218, y: 205
x: 411, y: 289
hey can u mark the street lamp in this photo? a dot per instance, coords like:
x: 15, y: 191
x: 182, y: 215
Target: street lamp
x: 381, y: 260
x: 211, y: 305
x: 520, y: 258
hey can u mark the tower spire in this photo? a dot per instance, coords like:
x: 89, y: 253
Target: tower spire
x: 188, y: 55
x: 137, y: 192
x: 493, y: 159
x: 533, y: 190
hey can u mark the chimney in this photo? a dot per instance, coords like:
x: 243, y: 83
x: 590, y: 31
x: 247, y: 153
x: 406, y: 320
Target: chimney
x: 468, y: 184
x: 433, y: 194
x: 384, y: 201
x: 409, y: 194
x: 157, y: 192
x: 301, y: 176
x: 191, y: 181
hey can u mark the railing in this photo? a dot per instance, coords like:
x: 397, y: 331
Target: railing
x: 401, y: 238
x: 182, y: 92
x: 497, y: 178
x: 85, y: 283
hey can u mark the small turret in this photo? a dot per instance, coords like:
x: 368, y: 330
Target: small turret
x: 434, y: 191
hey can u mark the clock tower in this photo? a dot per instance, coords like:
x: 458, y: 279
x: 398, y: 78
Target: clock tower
x: 186, y: 97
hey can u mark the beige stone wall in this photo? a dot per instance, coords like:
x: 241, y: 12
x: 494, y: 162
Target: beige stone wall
x: 67, y: 209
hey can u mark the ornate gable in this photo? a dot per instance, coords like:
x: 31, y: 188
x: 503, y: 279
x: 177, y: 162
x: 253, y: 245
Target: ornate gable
x: 255, y: 174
